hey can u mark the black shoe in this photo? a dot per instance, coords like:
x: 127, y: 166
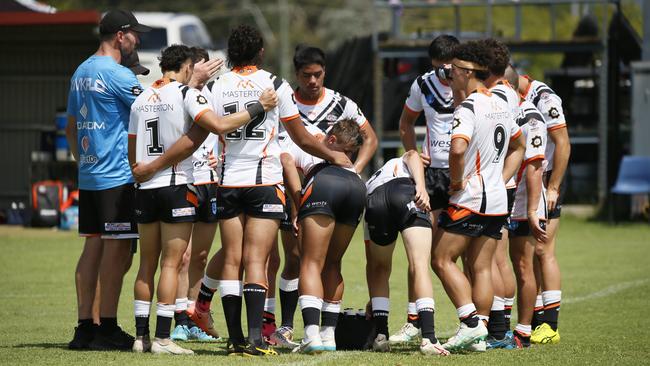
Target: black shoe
x: 256, y: 350
x: 235, y: 348
x: 115, y: 340
x: 83, y: 335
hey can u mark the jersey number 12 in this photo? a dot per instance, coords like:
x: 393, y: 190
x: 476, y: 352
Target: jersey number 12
x: 251, y: 130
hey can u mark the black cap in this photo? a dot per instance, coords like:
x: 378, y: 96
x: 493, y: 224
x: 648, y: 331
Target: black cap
x: 133, y: 63
x: 120, y: 20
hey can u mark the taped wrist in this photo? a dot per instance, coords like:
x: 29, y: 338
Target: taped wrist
x: 255, y: 109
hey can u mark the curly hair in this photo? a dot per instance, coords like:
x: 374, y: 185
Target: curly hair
x: 476, y: 52
x: 244, y: 46
x: 347, y: 133
x: 442, y: 47
x: 500, y: 56
x: 174, y: 56
x: 307, y: 55
x: 199, y: 54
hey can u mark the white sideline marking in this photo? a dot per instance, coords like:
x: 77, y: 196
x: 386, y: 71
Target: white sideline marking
x: 607, y: 291
x: 318, y: 359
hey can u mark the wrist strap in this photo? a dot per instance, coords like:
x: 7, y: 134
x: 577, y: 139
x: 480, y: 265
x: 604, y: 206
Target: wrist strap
x: 255, y: 109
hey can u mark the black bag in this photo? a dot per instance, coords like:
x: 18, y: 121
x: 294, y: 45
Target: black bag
x: 47, y: 198
x: 353, y: 331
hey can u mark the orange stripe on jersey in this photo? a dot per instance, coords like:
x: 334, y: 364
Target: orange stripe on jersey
x: 520, y: 172
x: 478, y: 163
x: 281, y: 195
x: 516, y: 135
x: 364, y: 124
x: 457, y: 213
x: 192, y: 198
x: 411, y: 112
x: 244, y: 70
x: 459, y: 136
x: 536, y: 157
x: 306, y: 195
x: 200, y: 114
x: 267, y: 144
x: 556, y: 127
x: 287, y: 119
x: 473, y: 211
x: 161, y: 82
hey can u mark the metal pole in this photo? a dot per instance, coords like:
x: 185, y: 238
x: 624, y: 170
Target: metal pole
x: 518, y: 21
x: 603, y: 112
x: 284, y: 38
x: 646, y: 31
x: 377, y: 93
x: 488, y: 19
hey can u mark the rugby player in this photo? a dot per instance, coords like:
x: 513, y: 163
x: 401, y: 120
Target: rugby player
x: 166, y: 204
x: 558, y: 150
x: 432, y: 94
x: 399, y: 203
x: 484, y: 136
x: 331, y: 204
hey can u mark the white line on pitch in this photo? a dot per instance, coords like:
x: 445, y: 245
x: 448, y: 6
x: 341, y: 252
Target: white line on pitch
x: 607, y: 291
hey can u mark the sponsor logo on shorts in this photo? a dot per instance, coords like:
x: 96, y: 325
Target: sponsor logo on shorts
x: 316, y: 204
x: 268, y: 207
x: 182, y: 212
x: 213, y: 206
x: 117, y: 226
x: 413, y: 207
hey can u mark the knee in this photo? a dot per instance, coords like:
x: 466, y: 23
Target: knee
x: 199, y: 260
x: 379, y: 267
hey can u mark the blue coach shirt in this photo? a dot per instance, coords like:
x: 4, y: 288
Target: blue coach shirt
x: 100, y: 98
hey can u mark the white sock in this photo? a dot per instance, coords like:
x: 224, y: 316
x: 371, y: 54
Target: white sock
x: 288, y: 285
x: 331, y: 307
x: 509, y: 301
x: 498, y: 304
x: 210, y: 283
x: 411, y: 309
x: 465, y: 310
x: 539, y: 303
x: 485, y: 319
x: 551, y: 297
x: 181, y: 304
x: 141, y: 308
x: 380, y: 304
x: 425, y: 303
x: 230, y: 288
x: 269, y: 305
x: 165, y: 310
x: 190, y: 303
x: 524, y: 329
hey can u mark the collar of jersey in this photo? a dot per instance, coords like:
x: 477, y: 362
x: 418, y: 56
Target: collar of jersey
x: 244, y: 70
x: 481, y: 90
x: 309, y: 102
x: 161, y: 82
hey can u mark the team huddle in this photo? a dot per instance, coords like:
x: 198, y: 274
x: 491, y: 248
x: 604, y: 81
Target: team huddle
x: 250, y: 153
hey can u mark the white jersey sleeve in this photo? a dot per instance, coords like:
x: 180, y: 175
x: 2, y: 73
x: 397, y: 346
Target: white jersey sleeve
x: 463, y: 123
x: 286, y: 103
x: 414, y: 99
x: 353, y: 112
x: 196, y: 104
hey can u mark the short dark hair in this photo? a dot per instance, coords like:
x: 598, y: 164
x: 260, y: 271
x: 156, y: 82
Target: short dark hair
x: 244, y: 46
x: 476, y: 52
x: 347, y: 133
x: 174, y: 56
x: 307, y: 55
x: 442, y: 47
x: 199, y: 54
x: 512, y: 76
x: 500, y: 56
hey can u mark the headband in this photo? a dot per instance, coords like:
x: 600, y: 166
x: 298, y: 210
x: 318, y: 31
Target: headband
x: 468, y: 65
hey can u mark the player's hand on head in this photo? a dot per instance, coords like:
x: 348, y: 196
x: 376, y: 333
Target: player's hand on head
x: 422, y: 199
x: 269, y: 99
x: 551, y: 198
x: 142, y: 172
x: 342, y: 160
x: 426, y: 160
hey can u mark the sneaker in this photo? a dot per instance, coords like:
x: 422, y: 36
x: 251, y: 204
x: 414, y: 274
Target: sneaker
x: 519, y: 341
x: 310, y: 347
x: 478, y: 346
x: 166, y: 346
x: 428, y: 348
x: 493, y: 343
x: 117, y: 340
x: 203, y: 321
x: 381, y: 344
x: 83, y: 335
x: 180, y: 333
x: 257, y: 350
x: 235, y: 348
x: 197, y: 334
x: 407, y: 333
x: 544, y: 334
x: 466, y: 336
x: 142, y: 344
x: 329, y: 343
x: 283, y: 338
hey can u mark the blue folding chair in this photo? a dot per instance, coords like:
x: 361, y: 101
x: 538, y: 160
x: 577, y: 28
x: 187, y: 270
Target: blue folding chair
x: 633, y: 178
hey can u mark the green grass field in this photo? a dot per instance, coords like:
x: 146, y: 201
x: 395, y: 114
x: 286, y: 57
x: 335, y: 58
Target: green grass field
x: 606, y: 294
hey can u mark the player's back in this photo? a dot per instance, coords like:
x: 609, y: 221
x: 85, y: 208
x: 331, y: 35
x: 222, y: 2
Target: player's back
x: 393, y: 169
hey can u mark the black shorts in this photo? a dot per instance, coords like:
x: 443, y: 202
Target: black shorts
x: 437, y: 182
x: 265, y: 202
x: 108, y: 213
x: 285, y: 223
x: 462, y: 221
x: 207, y: 210
x: 557, y: 211
x: 522, y: 228
x: 391, y: 209
x: 172, y: 204
x: 333, y: 191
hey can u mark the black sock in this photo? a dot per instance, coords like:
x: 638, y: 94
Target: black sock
x: 497, y: 324
x: 414, y: 319
x: 107, y: 325
x: 551, y: 314
x: 181, y: 318
x: 507, y: 312
x: 85, y: 323
x: 426, y: 324
x: 141, y: 326
x: 328, y: 319
x: 288, y: 303
x: 232, y: 313
x: 310, y: 316
x: 380, y: 319
x: 163, y: 326
x: 538, y: 317
x: 255, y: 295
x: 471, y: 320
x: 204, y: 299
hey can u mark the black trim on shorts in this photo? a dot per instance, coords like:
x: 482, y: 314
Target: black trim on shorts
x: 170, y: 204
x: 108, y: 213
x: 472, y: 224
x: 257, y: 201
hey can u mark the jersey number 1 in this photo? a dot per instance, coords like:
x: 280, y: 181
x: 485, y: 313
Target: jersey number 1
x: 154, y: 148
x: 251, y: 130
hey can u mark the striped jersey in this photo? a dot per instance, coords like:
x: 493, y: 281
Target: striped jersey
x: 532, y: 126
x: 203, y: 174
x: 159, y: 117
x: 550, y: 105
x: 330, y: 108
x: 250, y: 155
x: 430, y: 95
x: 506, y: 92
x: 304, y: 161
x: 393, y: 169
x: 485, y: 121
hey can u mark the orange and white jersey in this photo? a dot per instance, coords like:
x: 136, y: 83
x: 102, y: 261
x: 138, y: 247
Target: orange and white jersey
x: 203, y: 174
x: 504, y: 90
x: 330, y: 108
x: 304, y: 161
x: 159, y: 117
x: 550, y: 105
x: 393, y: 169
x: 533, y: 127
x: 250, y: 155
x: 436, y: 99
x: 485, y: 121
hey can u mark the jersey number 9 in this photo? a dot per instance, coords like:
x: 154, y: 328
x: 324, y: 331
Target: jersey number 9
x: 499, y: 141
